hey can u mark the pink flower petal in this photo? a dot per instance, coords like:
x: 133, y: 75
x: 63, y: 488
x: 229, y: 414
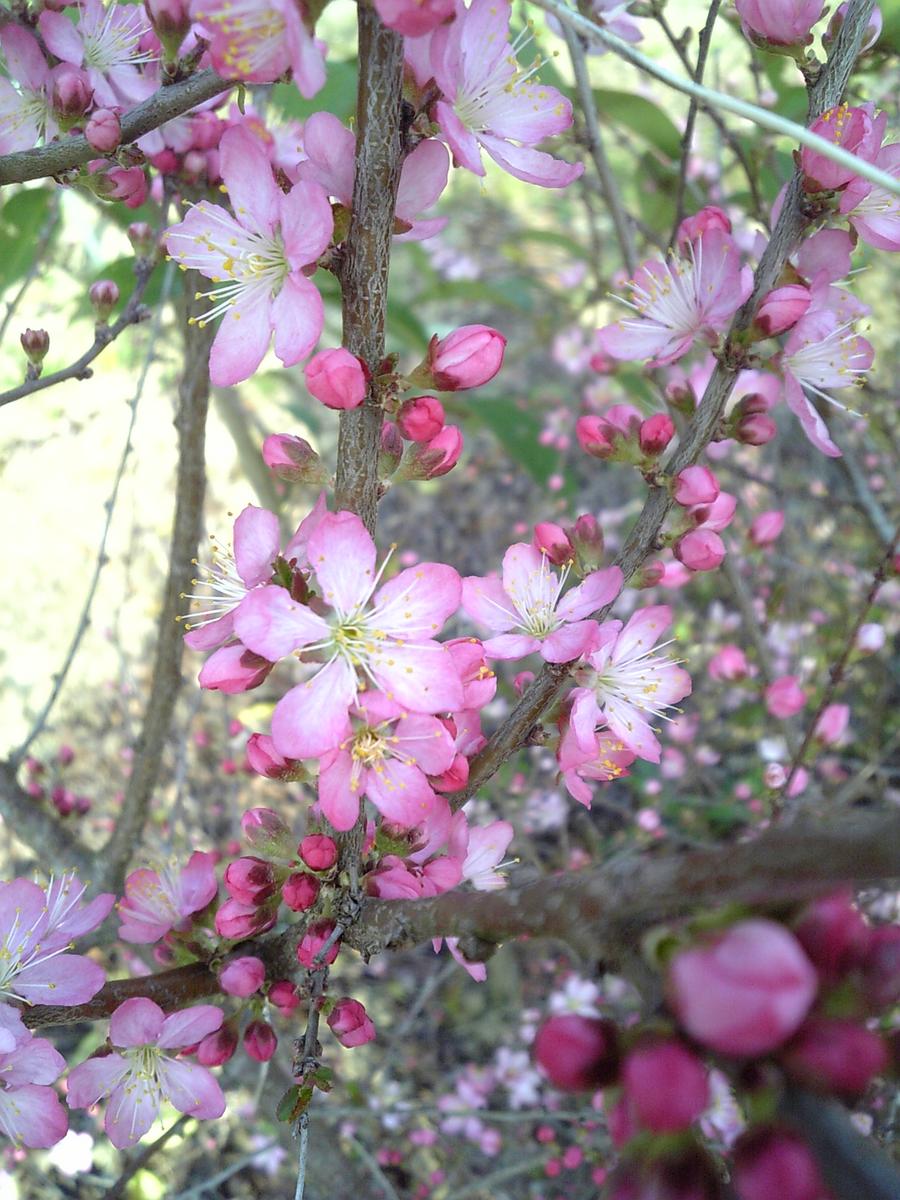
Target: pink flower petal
x: 531, y: 166
x: 255, y: 196
x: 810, y: 422
x: 418, y: 601
x: 312, y: 718
x: 272, y: 624
x: 598, y: 589
x: 242, y: 340
x: 257, y: 539
x: 90, y: 1081
x: 189, y: 1026
x: 136, y: 1022
x: 342, y: 554
x: 486, y: 601
x: 306, y: 223
x: 463, y: 144
x: 191, y: 1088
x: 569, y: 642
x: 421, y: 677
x: 65, y: 980
x: 337, y: 799
x: 132, y: 1109
x: 33, y: 1116
x: 297, y: 316
x: 508, y: 646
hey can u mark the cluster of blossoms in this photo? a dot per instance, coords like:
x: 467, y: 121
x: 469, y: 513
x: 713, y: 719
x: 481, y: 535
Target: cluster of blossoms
x: 758, y: 997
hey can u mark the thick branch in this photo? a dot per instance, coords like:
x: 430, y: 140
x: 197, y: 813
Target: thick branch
x: 165, y: 104
x: 28, y: 820
x: 364, y: 276
x: 642, y: 541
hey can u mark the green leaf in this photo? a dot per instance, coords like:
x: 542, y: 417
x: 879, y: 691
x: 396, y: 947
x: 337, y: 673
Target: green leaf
x: 294, y: 1103
x: 21, y: 221
x: 338, y: 96
x: 641, y: 117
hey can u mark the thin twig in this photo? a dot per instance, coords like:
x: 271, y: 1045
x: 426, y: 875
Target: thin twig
x: 483, y: 1186
x: 117, y: 1191
x: 201, y: 1189
x: 374, y: 1168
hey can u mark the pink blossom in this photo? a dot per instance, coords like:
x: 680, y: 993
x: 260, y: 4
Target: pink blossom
x: 233, y: 669
x: 157, y: 901
x: 834, y: 935
x: 578, y: 1053
x: 261, y: 253
x: 729, y: 664
x: 873, y: 212
x: 656, y: 433
x: 30, y: 1112
x: 140, y: 1078
x: 675, y: 302
x: 250, y: 880
x: 609, y: 758
x: 480, y: 848
x: 391, y: 641
x: 71, y: 94
x: 691, y: 228
x: 529, y: 601
x: 614, y: 436
x: 478, y: 680
x: 415, y: 18
x: 292, y: 459
x: 835, y: 1055
x: 700, y: 550
x: 237, y: 921
x: 107, y: 42
x: 625, y: 680
x: 853, y: 129
x: 300, y: 891
x: 766, y: 528
x: 491, y: 103
x: 665, y: 1085
x: 258, y: 40
x: 779, y: 22
x: 745, y: 991
x: 265, y: 760
x: 242, y: 976
x: 469, y: 357
x: 218, y: 1047
x: 784, y: 697
x: 350, y: 1023
x: 386, y: 758
x: 314, y: 939
x: 832, y: 724
x: 26, y: 114
x: 552, y: 540
x: 336, y: 378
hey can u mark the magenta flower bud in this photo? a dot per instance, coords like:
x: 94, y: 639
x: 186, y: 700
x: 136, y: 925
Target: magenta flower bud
x: 743, y: 992
x: 767, y: 527
x: 836, y: 1056
x: 551, y: 539
x: 103, y: 131
x: 779, y: 22
x: 128, y: 184
x: 784, y: 697
x: 754, y: 429
x: 143, y: 239
x: 695, y: 485
x: 292, y: 459
x: 350, y: 1023
x: 656, y: 433
x: 665, y: 1085
x: 236, y: 921
x: 594, y: 437
x: 284, y: 996
x: 218, y: 1047
x: 729, y: 664
x: 311, y: 944
x: 467, y: 358
x: 104, y: 296
x: 35, y: 343
x: 853, y: 129
x: 772, y: 1162
x: 391, y: 451
x: 65, y: 756
x: 318, y: 851
x: 300, y: 891
x: 586, y: 537
x: 832, y: 724
x: 781, y: 309
x: 260, y: 1041
x: 70, y: 94
x: 576, y: 1053
x: 707, y: 219
x: 337, y: 378
x: 171, y: 21
x: 265, y: 760
x: 267, y: 834
x: 242, y: 976
x: 430, y: 460
x: 250, y: 880
x: 834, y: 935
x: 881, y: 968
x: 420, y: 419
x: 700, y: 550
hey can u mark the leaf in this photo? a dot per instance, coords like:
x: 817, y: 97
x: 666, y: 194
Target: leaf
x: 21, y: 221
x: 517, y: 430
x: 294, y: 1103
x: 642, y: 117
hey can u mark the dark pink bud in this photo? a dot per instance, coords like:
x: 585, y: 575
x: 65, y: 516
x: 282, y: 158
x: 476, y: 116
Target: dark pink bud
x: 430, y: 460
x: 782, y: 308
x: 695, y: 485
x: 260, y: 1040
x: 82, y: 805
x: 350, y: 1023
x: 881, y: 968
x: 391, y: 450
x: 128, y: 184
x: 65, y: 756
x: 103, y: 131
x: 311, y: 944
x: 835, y: 1055
x: 264, y: 759
x: 104, y: 295
x: 70, y: 94
x: 242, y: 976
x: 834, y: 935
x: 779, y: 22
x: 300, y: 891
x: 267, y: 833
x: 292, y: 459
x: 337, y: 378
x: 236, y: 921
x: 35, y: 343
x: 767, y: 527
x: 649, y: 575
x: 551, y: 539
x: 586, y: 537
x: 656, y: 433
x: 318, y: 851
x: 467, y: 358
x: 250, y: 880
x: 578, y: 1054
x: 729, y: 664
x: 702, y: 222
x: 233, y: 669
x: 665, y: 1085
x: 772, y: 1162
x: 755, y: 429
x: 217, y: 1048
x: 700, y: 550
x: 284, y: 996
x: 420, y: 419
x: 594, y: 437
x: 743, y: 992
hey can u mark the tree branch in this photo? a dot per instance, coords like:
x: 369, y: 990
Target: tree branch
x: 39, y: 828
x: 59, y: 157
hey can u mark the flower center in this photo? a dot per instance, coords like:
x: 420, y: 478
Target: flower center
x: 112, y: 41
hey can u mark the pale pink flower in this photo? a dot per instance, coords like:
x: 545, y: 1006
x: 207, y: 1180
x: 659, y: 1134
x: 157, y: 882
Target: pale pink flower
x: 414, y: 18
x: 26, y: 114
x: 258, y: 40
x: 260, y: 253
x: 766, y: 528
x: 832, y: 724
x: 480, y: 849
x: 140, y: 1078
x: 386, y: 632
x: 609, y: 758
x: 729, y: 664
x: 157, y: 901
x: 528, y: 611
x: 781, y: 22
x: 677, y: 301
x: 106, y: 40
x: 491, y: 103
x: 873, y: 212
x: 784, y: 697
x: 386, y: 758
x: 625, y: 682
x: 30, y: 1112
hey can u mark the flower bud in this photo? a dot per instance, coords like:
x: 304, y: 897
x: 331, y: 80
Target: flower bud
x: 695, y: 485
x: 767, y: 527
x: 218, y: 1047
x: 35, y: 343
x: 467, y: 358
x: 691, y: 228
x: 171, y: 22
x: 832, y: 724
x: 267, y: 834
x: 391, y: 451
x: 70, y: 94
x: 337, y: 378
x: 779, y: 22
x: 300, y: 891
x: 754, y: 429
x: 836, y: 1056
x: 700, y: 550
x: 834, y: 935
x: 576, y: 1053
x: 743, y: 992
x: 250, y: 880
x: 350, y: 1023
x: 310, y: 946
x: 594, y: 437
x: 781, y: 309
x: 649, y: 575
x: 318, y: 851
x: 881, y: 968
x: 665, y: 1085
x: 260, y: 1041
x: 292, y: 459
x: 143, y: 239
x: 242, y: 976
x: 784, y: 697
x: 869, y: 38
x: 772, y: 1162
x: 128, y: 184
x: 265, y: 760
x: 103, y: 131
x: 414, y: 18
x: 420, y: 419
x: 65, y: 755
x: 586, y: 537
x: 551, y: 539
x: 729, y: 664
x: 236, y: 921
x: 430, y: 460
x: 656, y: 433
x: 104, y: 296
x: 284, y: 996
